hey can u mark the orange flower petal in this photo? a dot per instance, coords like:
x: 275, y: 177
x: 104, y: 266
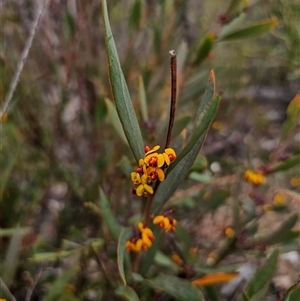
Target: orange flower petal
x: 214, y: 278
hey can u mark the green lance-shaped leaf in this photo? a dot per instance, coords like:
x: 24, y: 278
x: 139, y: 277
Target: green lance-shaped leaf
x: 109, y: 217
x: 280, y: 234
x: 293, y: 293
x: 127, y: 293
x: 114, y: 119
x: 179, y: 288
x: 122, y: 252
x: 251, y: 31
x: 57, y: 288
x: 205, y: 47
x: 12, y: 257
x: 181, y: 166
x: 232, y: 26
x: 136, y: 14
x: 292, y: 112
x: 143, y: 100
x: 285, y: 165
x: 50, y: 256
x: 259, y: 283
x: 120, y: 92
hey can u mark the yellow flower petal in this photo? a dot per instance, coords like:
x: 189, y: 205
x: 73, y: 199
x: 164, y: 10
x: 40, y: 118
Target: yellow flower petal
x: 166, y: 223
x: 135, y: 178
x: 146, y: 240
x: 140, y: 190
x: 170, y: 151
x: 139, y: 245
x: 167, y: 159
x: 140, y: 226
x: 160, y: 174
x: 148, y: 188
x: 155, y: 148
x: 158, y: 219
x: 144, y: 179
x: 160, y: 160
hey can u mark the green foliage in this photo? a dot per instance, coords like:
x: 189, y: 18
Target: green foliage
x: 257, y: 287
x: 120, y: 92
x: 67, y: 212
x: 177, y: 287
x: 251, y: 31
x: 122, y: 252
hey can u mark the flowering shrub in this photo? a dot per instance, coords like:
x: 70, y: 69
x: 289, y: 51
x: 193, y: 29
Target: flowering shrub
x: 104, y: 217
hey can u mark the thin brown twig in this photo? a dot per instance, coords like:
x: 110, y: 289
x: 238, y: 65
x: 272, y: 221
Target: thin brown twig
x: 173, y: 64
x: 23, y: 58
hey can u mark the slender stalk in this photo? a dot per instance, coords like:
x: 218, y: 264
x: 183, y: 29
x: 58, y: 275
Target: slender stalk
x: 23, y: 58
x: 173, y: 63
x: 148, y: 207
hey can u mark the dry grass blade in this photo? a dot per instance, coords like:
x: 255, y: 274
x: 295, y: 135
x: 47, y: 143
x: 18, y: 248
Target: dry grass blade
x: 23, y: 58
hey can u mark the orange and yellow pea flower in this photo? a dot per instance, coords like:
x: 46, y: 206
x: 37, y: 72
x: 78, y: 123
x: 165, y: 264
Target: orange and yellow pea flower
x: 155, y: 172
x: 164, y: 222
x: 169, y: 155
x: 143, y: 241
x: 253, y: 177
x: 142, y: 184
x: 142, y: 166
x: 154, y: 159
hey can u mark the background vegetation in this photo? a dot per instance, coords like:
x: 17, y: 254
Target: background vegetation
x: 61, y: 139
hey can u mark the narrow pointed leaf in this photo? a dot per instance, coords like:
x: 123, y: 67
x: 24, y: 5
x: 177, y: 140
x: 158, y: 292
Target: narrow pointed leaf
x: 114, y: 119
x: 293, y: 111
x: 179, y: 288
x: 251, y: 31
x: 232, y: 26
x: 263, y: 276
x: 12, y: 257
x: 127, y: 293
x: 285, y: 165
x: 120, y: 92
x: 280, y: 234
x: 204, y: 49
x: 111, y: 222
x: 122, y: 252
x: 57, y: 288
x: 143, y: 99
x: 181, y: 166
x: 293, y: 293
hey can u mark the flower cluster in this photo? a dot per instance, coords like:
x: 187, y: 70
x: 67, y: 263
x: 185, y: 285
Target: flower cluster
x: 151, y: 168
x: 165, y: 222
x: 142, y: 240
x: 254, y: 177
x: 143, y: 236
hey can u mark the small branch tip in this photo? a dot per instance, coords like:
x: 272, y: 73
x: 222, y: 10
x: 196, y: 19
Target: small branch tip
x: 172, y: 53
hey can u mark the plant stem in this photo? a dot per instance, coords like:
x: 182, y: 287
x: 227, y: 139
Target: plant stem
x: 173, y: 64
